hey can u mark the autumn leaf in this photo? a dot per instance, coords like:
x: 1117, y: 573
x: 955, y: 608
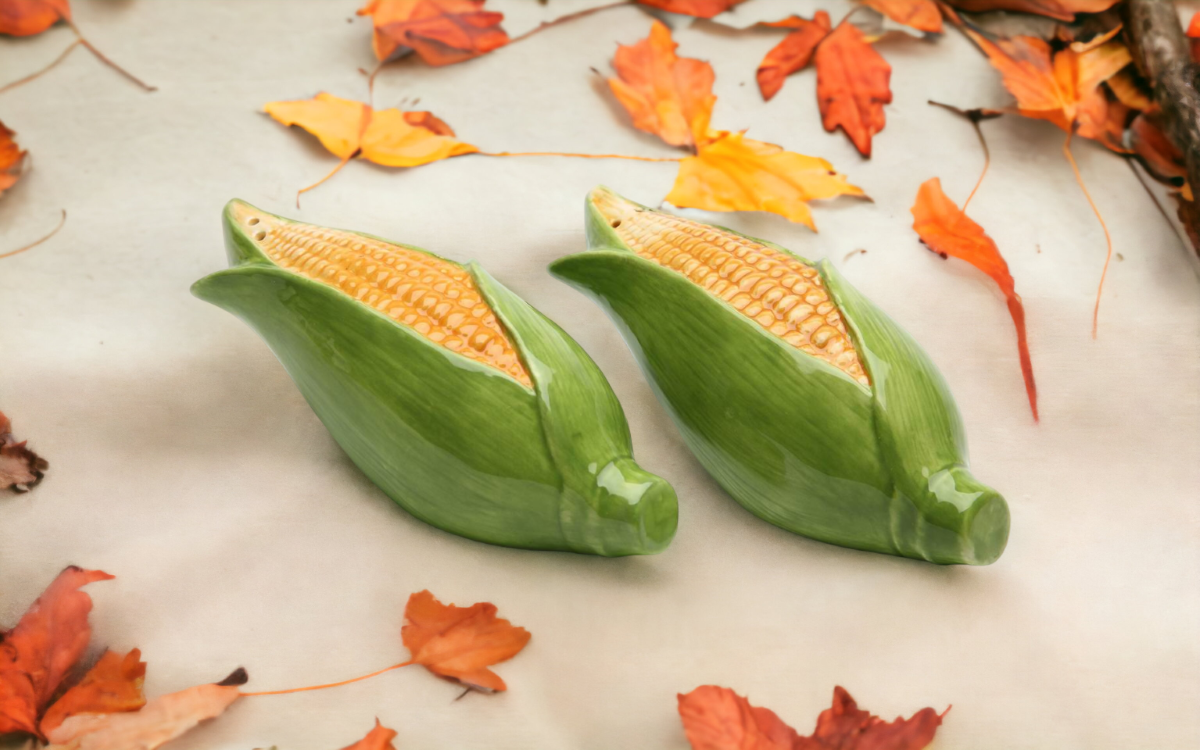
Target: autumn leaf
x: 698, y: 8
x: 1129, y: 91
x: 20, y: 468
x: 852, y: 86
x: 735, y: 173
x: 157, y: 723
x: 716, y: 718
x: 29, y: 17
x: 1158, y: 154
x: 460, y: 643
x: 12, y: 159
x: 113, y: 685
x: 1063, y: 10
x: 922, y: 15
x: 36, y: 655
x: 793, y: 53
x: 441, y: 32
x: 947, y: 231
x: 1193, y: 33
x: 667, y: 95
x: 1062, y: 87
x: 379, y: 738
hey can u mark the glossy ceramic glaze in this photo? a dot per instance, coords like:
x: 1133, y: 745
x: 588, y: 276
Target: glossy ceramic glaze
x: 795, y: 440
x: 458, y: 443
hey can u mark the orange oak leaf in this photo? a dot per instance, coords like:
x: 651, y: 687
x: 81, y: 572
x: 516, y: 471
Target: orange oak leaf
x: 1063, y: 86
x: 667, y: 95
x: 113, y: 685
x: 716, y: 718
x: 379, y: 738
x: 852, y: 86
x: 793, y: 53
x: 460, y: 643
x: 698, y: 8
x: 1063, y: 10
x: 12, y: 159
x: 922, y: 15
x: 20, y: 468
x: 441, y: 32
x: 1193, y: 32
x: 155, y: 724
x: 37, y: 654
x: 29, y: 17
x: 387, y: 136
x: 947, y: 231
x: 735, y: 173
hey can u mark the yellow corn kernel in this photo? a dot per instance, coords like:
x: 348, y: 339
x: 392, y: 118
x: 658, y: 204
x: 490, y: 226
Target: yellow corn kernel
x: 433, y: 297
x: 775, y: 290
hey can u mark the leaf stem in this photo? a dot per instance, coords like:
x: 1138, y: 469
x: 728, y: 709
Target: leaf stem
x: 328, y: 685
x: 569, y: 17
x: 1107, y: 236
x: 22, y: 81
x: 32, y: 245
x: 105, y: 59
x: 579, y: 156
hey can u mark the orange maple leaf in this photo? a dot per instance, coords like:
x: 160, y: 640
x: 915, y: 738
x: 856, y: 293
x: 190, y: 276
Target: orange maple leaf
x: 460, y: 643
x: 793, y: 53
x: 29, y: 17
x: 735, y: 173
x: 379, y: 738
x: 698, y: 8
x: 155, y: 724
x: 441, y: 32
x: 12, y: 159
x: 716, y: 718
x: 947, y: 231
x: 113, y: 685
x: 1063, y: 10
x: 1062, y: 87
x: 667, y: 95
x: 20, y: 468
x: 36, y: 655
x: 922, y: 15
x: 852, y: 86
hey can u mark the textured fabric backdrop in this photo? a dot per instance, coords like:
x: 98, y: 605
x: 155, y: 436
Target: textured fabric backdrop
x: 185, y: 461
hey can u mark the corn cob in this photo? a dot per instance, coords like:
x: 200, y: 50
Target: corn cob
x: 830, y: 422
x: 467, y: 406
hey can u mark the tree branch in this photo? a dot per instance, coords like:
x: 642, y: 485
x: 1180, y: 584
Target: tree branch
x: 1163, y: 55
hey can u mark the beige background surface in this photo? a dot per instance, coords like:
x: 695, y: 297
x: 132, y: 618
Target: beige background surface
x: 186, y: 462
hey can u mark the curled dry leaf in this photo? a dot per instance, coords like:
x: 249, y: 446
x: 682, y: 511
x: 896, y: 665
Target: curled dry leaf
x: 1154, y: 149
x: 735, y: 173
x: 947, y: 231
x: 922, y: 15
x: 157, y: 723
x: 388, y: 136
x: 20, y: 468
x: 113, y: 685
x: 379, y: 738
x: 12, y: 159
x: 441, y: 32
x: 1064, y: 86
x: 37, y: 655
x: 852, y: 86
x: 698, y: 8
x: 1063, y: 10
x: 29, y: 17
x: 667, y: 95
x: 716, y: 718
x: 793, y: 53
x: 460, y: 643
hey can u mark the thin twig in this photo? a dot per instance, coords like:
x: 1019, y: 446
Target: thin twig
x: 973, y: 116
x: 578, y: 156
x: 330, y: 684
x: 1107, y: 236
x: 569, y: 17
x: 61, y: 221
x: 371, y: 82
x: 22, y: 81
x: 106, y: 60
